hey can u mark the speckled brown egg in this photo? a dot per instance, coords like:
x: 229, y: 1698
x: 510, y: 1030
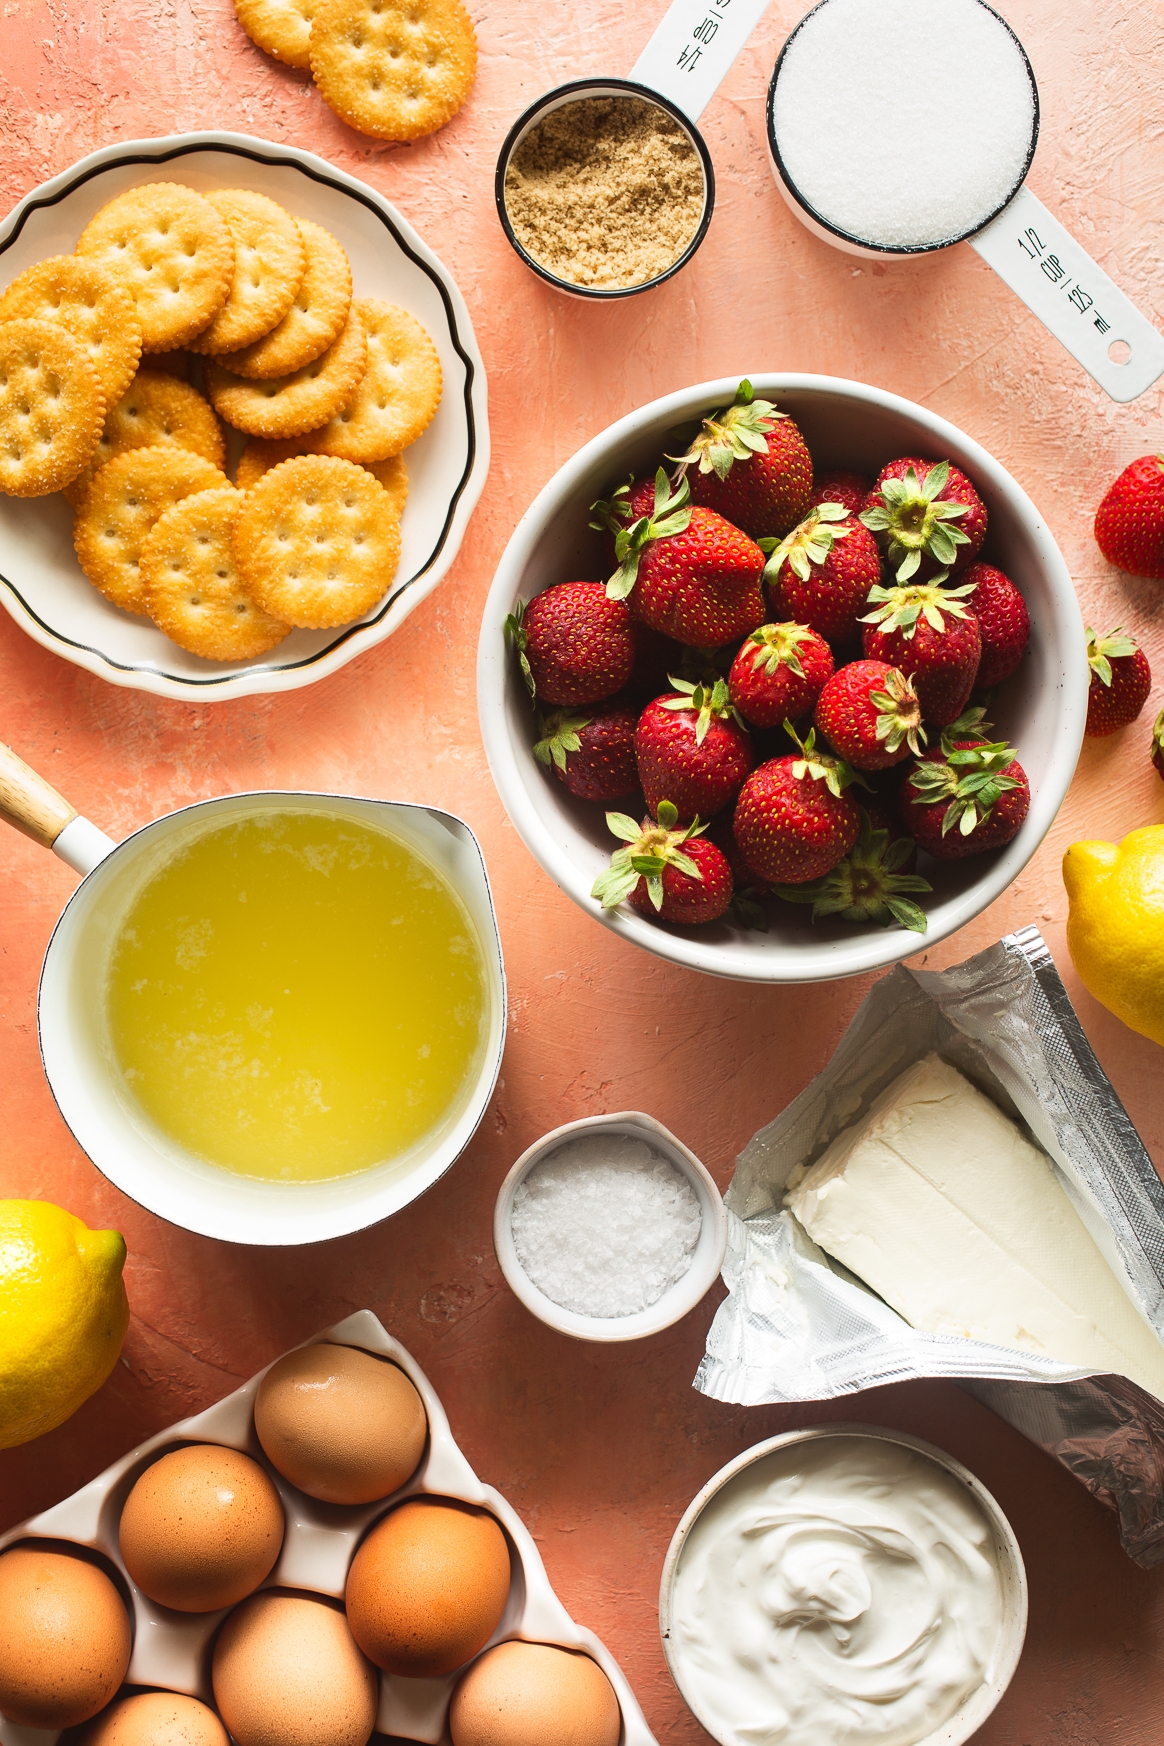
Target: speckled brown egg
x: 64, y: 1638
x: 155, y: 1718
x: 201, y: 1528
x: 340, y: 1424
x: 527, y: 1694
x: 287, y: 1672
x: 428, y: 1587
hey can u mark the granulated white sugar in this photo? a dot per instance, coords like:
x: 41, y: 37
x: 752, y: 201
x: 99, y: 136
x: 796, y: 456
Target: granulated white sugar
x: 605, y: 1225
x: 903, y: 123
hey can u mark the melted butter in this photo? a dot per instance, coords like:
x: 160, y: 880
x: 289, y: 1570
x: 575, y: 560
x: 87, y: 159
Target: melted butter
x: 298, y: 996
x: 839, y: 1592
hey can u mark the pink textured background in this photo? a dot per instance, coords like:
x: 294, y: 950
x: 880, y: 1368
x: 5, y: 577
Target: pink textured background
x: 601, y: 1449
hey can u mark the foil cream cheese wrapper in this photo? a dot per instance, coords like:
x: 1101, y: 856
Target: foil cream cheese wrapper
x: 798, y: 1327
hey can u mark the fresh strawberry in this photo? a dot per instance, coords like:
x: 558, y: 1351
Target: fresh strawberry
x: 848, y: 489
x: 629, y: 502
x: 688, y: 572
x: 749, y: 463
x: 1129, y: 523
x: 964, y: 797
x: 779, y: 673
x: 931, y: 634
x: 870, y: 715
x: 1003, y: 620
x: 692, y: 749
x: 1121, y: 681
x: 1158, y: 744
x: 575, y: 644
x: 593, y: 752
x: 871, y: 884
x: 821, y: 574
x: 793, y: 820
x: 746, y: 880
x: 676, y: 875
x: 927, y: 515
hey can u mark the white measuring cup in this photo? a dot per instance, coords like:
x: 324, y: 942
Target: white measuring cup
x: 77, y: 1054
x: 680, y: 70
x: 1024, y: 242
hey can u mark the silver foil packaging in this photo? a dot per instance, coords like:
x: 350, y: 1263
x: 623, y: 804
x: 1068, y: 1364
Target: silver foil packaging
x: 797, y: 1326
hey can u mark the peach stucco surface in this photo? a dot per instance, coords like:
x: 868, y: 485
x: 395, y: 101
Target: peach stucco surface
x: 600, y: 1448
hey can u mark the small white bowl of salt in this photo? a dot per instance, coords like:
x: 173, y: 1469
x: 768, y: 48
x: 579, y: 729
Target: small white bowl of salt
x: 609, y: 1228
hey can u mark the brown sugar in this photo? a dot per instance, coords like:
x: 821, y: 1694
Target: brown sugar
x: 605, y: 192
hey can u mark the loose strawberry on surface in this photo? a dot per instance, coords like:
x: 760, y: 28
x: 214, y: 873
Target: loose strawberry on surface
x: 1121, y: 682
x: 870, y: 715
x: 778, y: 673
x: 965, y: 796
x: 1129, y: 523
x: 869, y: 885
x: 793, y: 820
x: 750, y: 464
x: 687, y: 572
x: 575, y: 644
x: 840, y: 486
x: 592, y: 752
x: 676, y: 875
x: 927, y: 515
x: 692, y: 750
x: 932, y: 635
x: 821, y: 573
x: 1003, y: 620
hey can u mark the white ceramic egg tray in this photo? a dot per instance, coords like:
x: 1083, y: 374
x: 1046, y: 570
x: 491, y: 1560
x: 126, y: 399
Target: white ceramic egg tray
x: 172, y: 1650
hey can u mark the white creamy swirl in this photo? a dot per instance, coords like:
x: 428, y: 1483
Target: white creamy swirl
x: 838, y: 1592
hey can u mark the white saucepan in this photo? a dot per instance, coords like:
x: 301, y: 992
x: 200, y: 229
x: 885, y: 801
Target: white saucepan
x: 78, y: 1058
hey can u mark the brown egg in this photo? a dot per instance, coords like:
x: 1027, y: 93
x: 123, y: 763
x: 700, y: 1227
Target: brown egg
x: 155, y: 1718
x: 64, y: 1638
x: 527, y: 1694
x: 201, y: 1528
x: 428, y: 1587
x: 286, y: 1672
x: 340, y: 1424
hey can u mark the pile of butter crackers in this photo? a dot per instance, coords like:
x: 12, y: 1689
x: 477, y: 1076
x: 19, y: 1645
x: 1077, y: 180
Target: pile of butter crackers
x: 330, y: 389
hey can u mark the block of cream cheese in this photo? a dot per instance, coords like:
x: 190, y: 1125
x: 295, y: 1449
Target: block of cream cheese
x: 949, y: 1213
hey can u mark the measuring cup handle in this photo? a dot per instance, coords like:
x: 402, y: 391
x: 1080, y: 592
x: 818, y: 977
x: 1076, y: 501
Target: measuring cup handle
x: 29, y: 803
x: 689, y: 55
x: 1084, y: 309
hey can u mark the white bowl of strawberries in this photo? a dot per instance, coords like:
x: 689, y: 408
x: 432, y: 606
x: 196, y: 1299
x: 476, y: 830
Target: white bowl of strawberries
x: 777, y: 678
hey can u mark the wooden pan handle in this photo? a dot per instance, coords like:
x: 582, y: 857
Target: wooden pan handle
x: 28, y: 803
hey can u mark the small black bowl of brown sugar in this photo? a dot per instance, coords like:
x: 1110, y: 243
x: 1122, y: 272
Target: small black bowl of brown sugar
x: 604, y: 188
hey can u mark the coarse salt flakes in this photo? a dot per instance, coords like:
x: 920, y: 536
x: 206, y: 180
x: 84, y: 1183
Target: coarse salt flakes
x: 605, y: 1225
x: 904, y: 123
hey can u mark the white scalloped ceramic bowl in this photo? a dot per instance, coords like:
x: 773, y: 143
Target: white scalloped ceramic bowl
x: 41, y: 584
x: 1041, y: 710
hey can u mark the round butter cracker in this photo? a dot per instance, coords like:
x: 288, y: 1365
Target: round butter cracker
x: 281, y: 27
x: 283, y: 406
x: 317, y: 541
x: 51, y: 407
x: 397, y: 69
x: 156, y: 408
x: 269, y: 263
x: 93, y: 304
x: 128, y: 495
x: 191, y: 587
x: 398, y: 394
x: 314, y: 320
x: 263, y: 453
x: 174, y: 253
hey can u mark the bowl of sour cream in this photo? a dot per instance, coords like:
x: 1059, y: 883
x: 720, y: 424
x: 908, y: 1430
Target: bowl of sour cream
x: 842, y: 1586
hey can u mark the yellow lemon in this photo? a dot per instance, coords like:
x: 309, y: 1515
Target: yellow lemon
x: 1115, y: 925
x: 63, y: 1315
